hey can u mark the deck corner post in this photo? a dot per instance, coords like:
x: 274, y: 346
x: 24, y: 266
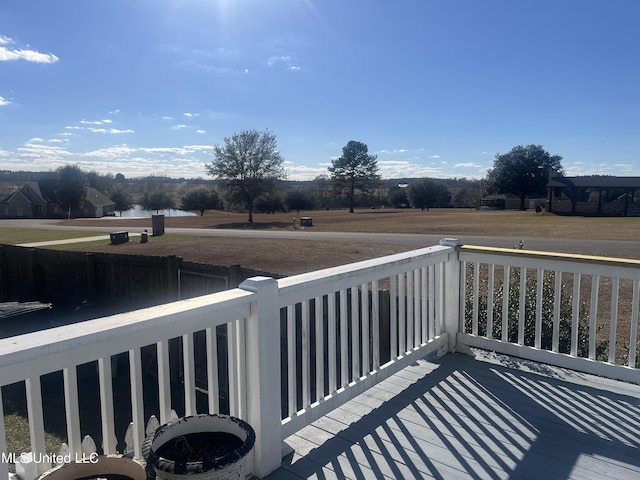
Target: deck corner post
x: 451, y: 293
x: 263, y: 374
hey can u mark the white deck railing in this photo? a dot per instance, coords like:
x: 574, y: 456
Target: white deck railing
x: 574, y: 311
x: 293, y: 349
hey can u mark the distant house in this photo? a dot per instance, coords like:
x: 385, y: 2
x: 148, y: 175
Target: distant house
x: 509, y: 202
x: 36, y: 200
x: 96, y: 204
x: 29, y: 201
x: 594, y: 195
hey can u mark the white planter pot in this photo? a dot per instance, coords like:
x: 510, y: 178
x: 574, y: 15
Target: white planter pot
x: 97, y: 467
x: 167, y: 449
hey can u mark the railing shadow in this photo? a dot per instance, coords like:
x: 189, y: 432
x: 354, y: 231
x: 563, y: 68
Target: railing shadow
x: 472, y: 419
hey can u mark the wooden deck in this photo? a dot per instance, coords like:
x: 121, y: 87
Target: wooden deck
x: 488, y: 417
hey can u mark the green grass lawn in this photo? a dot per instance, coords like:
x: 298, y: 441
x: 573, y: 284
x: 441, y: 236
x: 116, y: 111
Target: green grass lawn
x: 16, y: 236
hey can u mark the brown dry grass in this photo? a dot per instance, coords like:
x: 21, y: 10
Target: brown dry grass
x: 435, y: 221
x: 281, y: 257
x: 289, y: 257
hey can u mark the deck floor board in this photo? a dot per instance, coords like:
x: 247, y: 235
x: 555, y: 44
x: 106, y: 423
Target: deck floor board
x: 482, y: 416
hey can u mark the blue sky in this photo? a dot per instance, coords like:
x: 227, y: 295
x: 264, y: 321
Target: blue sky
x: 435, y: 88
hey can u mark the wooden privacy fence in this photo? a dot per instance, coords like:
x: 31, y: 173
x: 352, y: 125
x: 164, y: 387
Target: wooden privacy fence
x: 28, y: 273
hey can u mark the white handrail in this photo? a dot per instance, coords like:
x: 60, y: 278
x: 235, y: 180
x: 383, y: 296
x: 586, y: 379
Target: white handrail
x: 585, y: 312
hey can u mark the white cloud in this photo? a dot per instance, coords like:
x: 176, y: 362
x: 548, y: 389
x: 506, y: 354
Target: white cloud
x: 303, y: 172
x: 7, y: 54
x: 271, y: 61
x: 167, y: 118
x: 4, y: 102
x: 402, y: 151
x: 284, y: 60
x: 190, y: 115
x: 199, y: 148
x: 201, y: 131
x: 163, y: 150
x: 96, y: 122
x: 179, y: 127
x: 119, y: 151
x: 38, y: 150
x: 434, y: 156
x: 467, y: 165
x: 400, y: 169
x: 111, y: 131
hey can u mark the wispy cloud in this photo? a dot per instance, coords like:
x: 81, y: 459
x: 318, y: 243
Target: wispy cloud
x: 400, y: 151
x: 4, y: 102
x: 38, y: 149
x: 8, y: 53
x: 285, y: 61
x: 110, y: 131
x: 303, y: 172
x: 191, y: 115
x: 271, y: 61
x: 467, y: 165
x: 400, y: 169
x: 179, y: 127
x: 96, y: 122
x: 117, y: 152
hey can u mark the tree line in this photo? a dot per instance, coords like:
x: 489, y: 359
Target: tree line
x: 248, y: 175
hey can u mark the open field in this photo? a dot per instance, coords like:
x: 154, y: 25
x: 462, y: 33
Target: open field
x: 287, y: 257
x: 435, y: 221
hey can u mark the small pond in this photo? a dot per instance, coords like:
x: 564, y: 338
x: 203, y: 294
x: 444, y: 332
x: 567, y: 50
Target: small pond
x: 137, y: 211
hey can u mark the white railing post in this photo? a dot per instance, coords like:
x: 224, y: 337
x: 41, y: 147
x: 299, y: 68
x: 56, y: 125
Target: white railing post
x: 451, y: 293
x: 263, y: 374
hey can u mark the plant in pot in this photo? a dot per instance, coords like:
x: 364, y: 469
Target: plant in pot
x: 204, y: 447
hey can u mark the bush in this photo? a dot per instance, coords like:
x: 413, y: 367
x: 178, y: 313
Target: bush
x: 530, y: 301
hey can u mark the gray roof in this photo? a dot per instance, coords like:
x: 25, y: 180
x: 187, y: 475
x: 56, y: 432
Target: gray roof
x: 595, y: 181
x: 97, y: 199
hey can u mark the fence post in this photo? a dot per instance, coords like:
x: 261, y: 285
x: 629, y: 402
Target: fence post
x: 451, y: 293
x: 263, y: 374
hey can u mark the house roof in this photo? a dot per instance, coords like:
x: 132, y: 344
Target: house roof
x: 9, y: 197
x: 595, y: 181
x: 97, y: 199
x: 32, y: 191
